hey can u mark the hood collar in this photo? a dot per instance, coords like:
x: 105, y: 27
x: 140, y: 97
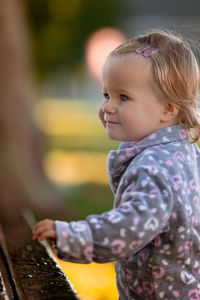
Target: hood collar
x: 118, y: 160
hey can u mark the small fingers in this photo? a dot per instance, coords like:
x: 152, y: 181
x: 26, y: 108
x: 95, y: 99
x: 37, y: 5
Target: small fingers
x: 48, y: 234
x: 44, y: 229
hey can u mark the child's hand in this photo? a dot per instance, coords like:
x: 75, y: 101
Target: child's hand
x: 44, y: 230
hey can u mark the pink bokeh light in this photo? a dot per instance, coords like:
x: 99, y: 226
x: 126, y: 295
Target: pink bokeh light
x: 99, y: 45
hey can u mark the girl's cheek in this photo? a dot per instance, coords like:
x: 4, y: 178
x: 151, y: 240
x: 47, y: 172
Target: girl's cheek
x: 101, y: 115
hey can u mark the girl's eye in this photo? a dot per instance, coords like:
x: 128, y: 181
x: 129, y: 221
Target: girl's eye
x: 124, y: 97
x: 106, y: 96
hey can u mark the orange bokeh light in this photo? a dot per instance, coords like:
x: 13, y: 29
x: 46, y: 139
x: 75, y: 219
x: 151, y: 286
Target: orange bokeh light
x: 99, y: 45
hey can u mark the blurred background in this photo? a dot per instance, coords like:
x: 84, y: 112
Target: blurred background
x: 53, y: 147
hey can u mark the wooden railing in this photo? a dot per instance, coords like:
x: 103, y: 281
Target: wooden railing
x: 27, y: 268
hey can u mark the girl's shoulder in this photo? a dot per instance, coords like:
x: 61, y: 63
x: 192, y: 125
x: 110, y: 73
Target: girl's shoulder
x: 167, y: 158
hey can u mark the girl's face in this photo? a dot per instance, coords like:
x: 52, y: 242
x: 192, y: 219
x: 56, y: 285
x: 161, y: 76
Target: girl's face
x: 131, y: 110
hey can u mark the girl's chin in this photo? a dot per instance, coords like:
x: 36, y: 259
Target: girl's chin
x: 114, y: 137
x: 118, y: 138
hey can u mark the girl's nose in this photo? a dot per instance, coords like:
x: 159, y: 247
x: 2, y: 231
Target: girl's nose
x: 109, y: 107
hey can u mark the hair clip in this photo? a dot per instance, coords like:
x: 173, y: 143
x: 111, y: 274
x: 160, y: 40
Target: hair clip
x: 147, y: 51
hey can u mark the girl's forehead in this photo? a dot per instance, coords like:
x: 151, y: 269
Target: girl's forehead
x: 115, y: 61
x: 127, y: 63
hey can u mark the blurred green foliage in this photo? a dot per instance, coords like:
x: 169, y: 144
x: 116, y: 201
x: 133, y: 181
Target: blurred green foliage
x: 60, y: 28
x: 87, y: 199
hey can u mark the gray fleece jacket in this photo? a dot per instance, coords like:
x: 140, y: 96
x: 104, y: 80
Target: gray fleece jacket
x: 153, y: 231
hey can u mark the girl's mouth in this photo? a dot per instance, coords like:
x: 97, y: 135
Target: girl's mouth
x: 111, y: 123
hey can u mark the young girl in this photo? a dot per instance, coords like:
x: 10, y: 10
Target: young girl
x: 150, y: 89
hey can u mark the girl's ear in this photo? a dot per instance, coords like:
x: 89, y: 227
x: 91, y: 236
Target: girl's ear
x: 170, y: 112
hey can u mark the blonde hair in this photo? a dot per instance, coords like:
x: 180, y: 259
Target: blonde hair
x: 175, y: 74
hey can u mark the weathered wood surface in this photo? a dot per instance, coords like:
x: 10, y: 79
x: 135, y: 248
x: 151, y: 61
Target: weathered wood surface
x: 27, y: 271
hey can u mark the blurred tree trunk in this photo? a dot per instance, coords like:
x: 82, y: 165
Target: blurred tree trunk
x: 22, y: 179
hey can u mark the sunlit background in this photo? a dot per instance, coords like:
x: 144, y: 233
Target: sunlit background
x: 69, y: 41
x: 74, y: 39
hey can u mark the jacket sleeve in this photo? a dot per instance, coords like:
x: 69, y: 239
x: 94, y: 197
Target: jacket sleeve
x: 145, y: 208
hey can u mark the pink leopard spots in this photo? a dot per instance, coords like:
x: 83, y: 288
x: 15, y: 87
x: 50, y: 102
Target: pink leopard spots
x: 126, y: 207
x: 129, y: 152
x: 176, y: 294
x: 177, y: 181
x: 181, y: 255
x: 153, y: 193
x: 149, y: 287
x: 188, y: 245
x: 169, y: 163
x: 194, y: 294
x: 194, y: 221
x: 131, y: 186
x: 122, y: 158
x: 139, y: 290
x: 136, y: 221
x: 134, y: 245
x: 117, y: 246
x: 134, y: 171
x: 88, y: 253
x: 174, y: 215
x: 179, y: 155
x: 158, y: 272
x: 152, y: 136
x: 193, y: 184
x: 129, y: 274
x: 182, y: 133
x: 64, y: 234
